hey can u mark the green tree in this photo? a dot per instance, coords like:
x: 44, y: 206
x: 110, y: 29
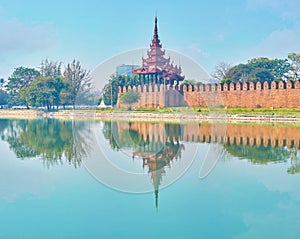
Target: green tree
x: 261, y: 75
x: 133, y: 80
x: 110, y: 90
x: 79, y: 79
x: 50, y: 69
x: 278, y: 68
x: 226, y: 80
x: 188, y: 82
x: 239, y: 73
x: 44, y: 91
x: 65, y: 93
x: 3, y: 98
x: 20, y: 78
x: 112, y: 87
x: 260, y: 69
x: 130, y: 97
x: 295, y: 69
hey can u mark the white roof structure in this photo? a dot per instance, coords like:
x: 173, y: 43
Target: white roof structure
x: 103, y: 105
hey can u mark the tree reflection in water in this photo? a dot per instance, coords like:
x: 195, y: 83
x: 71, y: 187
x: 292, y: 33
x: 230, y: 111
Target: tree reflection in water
x: 3, y: 125
x: 265, y: 154
x: 258, y: 154
x: 295, y: 162
x: 49, y: 139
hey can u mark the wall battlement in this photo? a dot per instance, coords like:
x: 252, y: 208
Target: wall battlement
x: 248, y: 95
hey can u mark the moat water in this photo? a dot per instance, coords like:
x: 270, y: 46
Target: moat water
x: 82, y: 179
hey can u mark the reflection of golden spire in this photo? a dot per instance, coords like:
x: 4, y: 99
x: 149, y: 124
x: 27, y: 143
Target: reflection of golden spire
x: 156, y: 175
x: 156, y: 199
x: 157, y: 161
x: 157, y: 152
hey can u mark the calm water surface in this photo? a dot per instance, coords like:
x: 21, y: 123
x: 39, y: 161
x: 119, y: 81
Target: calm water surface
x: 52, y: 186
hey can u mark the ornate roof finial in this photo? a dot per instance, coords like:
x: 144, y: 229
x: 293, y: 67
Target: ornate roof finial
x: 155, y: 27
x: 155, y: 40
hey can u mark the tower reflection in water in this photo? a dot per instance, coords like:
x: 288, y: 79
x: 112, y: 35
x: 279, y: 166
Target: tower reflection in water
x: 160, y: 144
x: 157, y: 145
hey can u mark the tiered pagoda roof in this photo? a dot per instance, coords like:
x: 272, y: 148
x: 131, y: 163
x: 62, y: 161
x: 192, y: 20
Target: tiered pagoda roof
x: 157, y: 63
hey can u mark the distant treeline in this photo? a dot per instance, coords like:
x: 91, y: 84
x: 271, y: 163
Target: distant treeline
x: 48, y: 86
x: 260, y: 70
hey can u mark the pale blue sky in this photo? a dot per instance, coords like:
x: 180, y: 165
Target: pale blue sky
x: 93, y: 31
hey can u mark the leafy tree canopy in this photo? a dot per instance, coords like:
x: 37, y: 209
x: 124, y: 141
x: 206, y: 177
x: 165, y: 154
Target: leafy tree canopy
x: 295, y: 68
x: 48, y: 86
x: 3, y: 97
x: 50, y: 69
x: 260, y: 69
x: 188, y: 82
x: 110, y: 90
x: 130, y: 97
x: 78, y: 79
x: 44, y: 91
x: 20, y: 78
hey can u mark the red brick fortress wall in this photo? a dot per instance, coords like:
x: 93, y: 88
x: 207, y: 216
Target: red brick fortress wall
x: 245, y: 95
x: 154, y: 96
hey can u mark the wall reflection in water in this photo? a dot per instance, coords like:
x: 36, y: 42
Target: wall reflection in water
x: 260, y: 144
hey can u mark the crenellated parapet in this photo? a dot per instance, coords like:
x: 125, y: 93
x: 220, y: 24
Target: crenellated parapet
x: 280, y: 94
x: 243, y: 86
x: 239, y: 86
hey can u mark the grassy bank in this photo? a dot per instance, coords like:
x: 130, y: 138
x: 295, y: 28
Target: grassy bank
x: 172, y: 114
x: 204, y: 110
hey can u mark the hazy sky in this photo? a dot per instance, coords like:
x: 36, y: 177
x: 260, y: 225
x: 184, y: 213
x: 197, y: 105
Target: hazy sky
x: 93, y: 31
